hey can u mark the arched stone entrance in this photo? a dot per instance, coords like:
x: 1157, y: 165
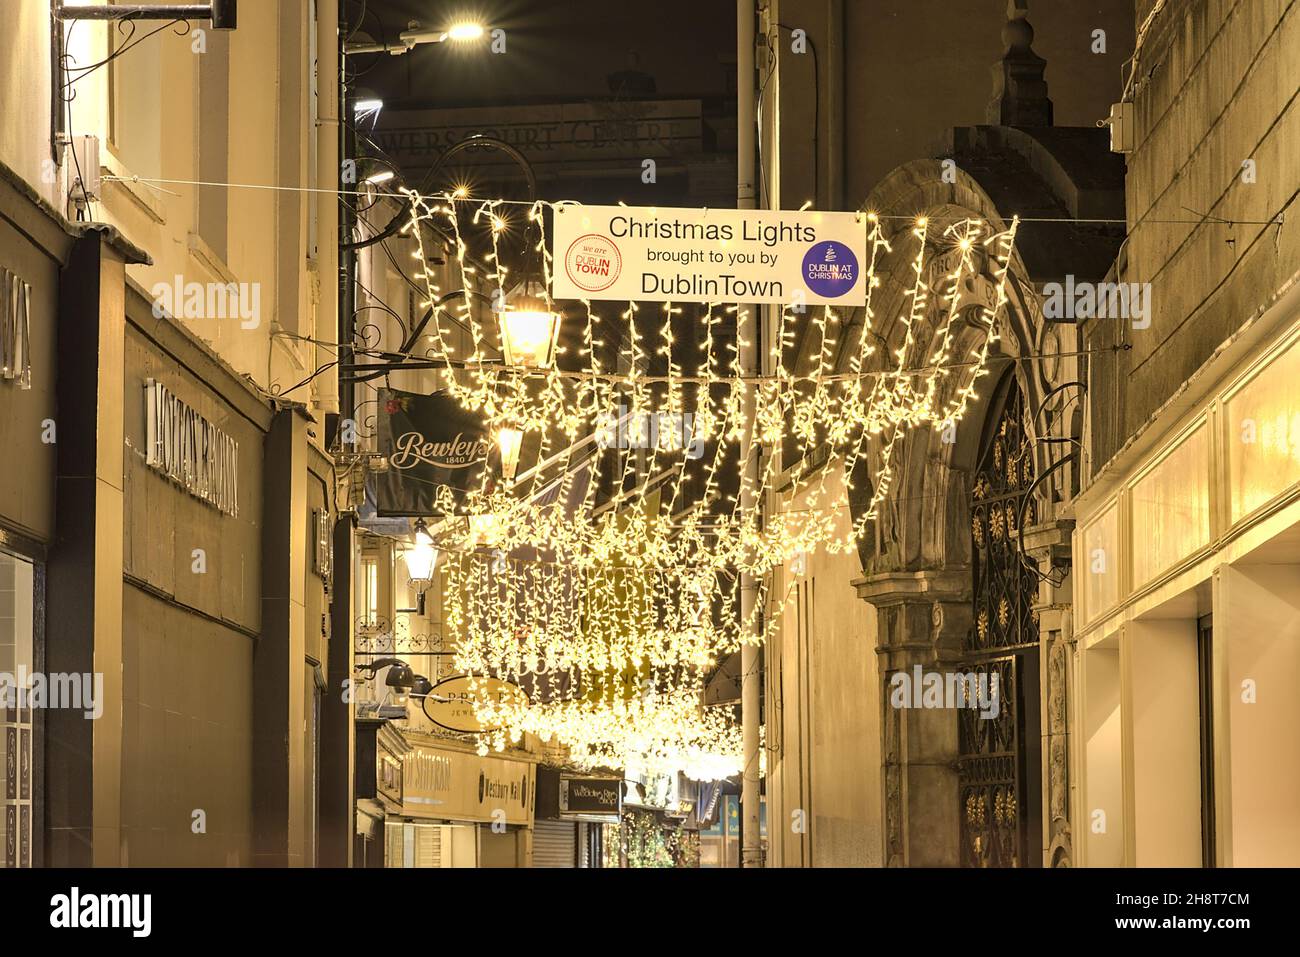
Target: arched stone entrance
x: 993, y: 792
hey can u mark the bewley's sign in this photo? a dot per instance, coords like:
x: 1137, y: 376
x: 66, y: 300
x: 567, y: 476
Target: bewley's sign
x: 709, y: 255
x: 436, y: 450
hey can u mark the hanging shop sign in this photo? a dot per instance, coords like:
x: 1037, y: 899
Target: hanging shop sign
x: 452, y: 701
x: 709, y: 255
x: 436, y: 452
x: 190, y: 450
x: 590, y: 795
x: 15, y: 329
x: 461, y: 786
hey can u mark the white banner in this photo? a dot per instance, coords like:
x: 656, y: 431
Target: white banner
x: 649, y: 254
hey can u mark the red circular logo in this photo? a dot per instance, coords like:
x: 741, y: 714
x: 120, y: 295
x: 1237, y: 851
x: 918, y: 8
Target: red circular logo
x: 593, y: 262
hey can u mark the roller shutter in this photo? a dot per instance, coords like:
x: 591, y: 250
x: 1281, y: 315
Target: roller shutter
x: 555, y: 844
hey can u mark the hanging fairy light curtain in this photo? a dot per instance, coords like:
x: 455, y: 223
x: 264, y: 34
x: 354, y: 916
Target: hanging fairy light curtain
x: 522, y: 389
x: 619, y: 590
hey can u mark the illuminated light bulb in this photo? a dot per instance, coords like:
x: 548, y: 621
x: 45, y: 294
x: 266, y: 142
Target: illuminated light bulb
x: 485, y: 529
x: 528, y: 334
x: 509, y: 442
x: 420, y: 559
x: 461, y: 32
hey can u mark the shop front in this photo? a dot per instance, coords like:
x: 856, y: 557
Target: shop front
x: 659, y: 823
x: 33, y: 245
x: 1188, y: 633
x: 572, y: 813
x: 437, y: 803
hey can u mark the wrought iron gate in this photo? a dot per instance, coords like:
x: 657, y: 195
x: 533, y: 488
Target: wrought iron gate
x: 999, y: 764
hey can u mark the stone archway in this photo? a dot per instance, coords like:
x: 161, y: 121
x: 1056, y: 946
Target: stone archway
x: 917, y: 557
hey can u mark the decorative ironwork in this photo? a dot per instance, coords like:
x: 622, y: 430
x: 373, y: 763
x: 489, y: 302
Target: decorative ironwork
x: 997, y: 769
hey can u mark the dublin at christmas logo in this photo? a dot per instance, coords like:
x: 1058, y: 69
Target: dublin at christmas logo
x: 830, y: 269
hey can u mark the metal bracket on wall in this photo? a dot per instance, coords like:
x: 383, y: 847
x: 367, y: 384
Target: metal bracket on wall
x: 222, y: 13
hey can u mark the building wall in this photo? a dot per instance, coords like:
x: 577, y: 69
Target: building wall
x: 211, y: 693
x: 822, y: 708
x: 1187, y: 525
x: 186, y: 737
x: 1215, y: 89
x: 25, y: 78
x: 28, y: 505
x: 185, y: 108
x: 904, y: 84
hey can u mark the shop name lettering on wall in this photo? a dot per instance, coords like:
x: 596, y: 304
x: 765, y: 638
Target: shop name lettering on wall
x: 15, y: 329
x: 190, y: 450
x: 425, y: 772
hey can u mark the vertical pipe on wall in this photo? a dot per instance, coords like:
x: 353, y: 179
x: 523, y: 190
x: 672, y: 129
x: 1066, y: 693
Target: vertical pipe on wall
x: 327, y: 203
x: 833, y: 197
x: 751, y: 850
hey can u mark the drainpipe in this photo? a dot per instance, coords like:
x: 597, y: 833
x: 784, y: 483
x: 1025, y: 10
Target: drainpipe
x: 833, y: 121
x: 327, y: 203
x: 751, y: 848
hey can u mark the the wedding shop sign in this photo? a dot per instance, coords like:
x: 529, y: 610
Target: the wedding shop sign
x: 436, y: 451
x: 709, y: 255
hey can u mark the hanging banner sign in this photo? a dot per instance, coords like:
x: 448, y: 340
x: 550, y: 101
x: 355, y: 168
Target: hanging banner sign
x: 451, y: 703
x: 655, y: 254
x: 436, y: 451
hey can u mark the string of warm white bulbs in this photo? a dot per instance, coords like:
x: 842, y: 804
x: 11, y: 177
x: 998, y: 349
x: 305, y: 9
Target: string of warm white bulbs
x: 644, y: 584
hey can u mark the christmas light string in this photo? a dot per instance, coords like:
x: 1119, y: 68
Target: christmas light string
x: 653, y: 594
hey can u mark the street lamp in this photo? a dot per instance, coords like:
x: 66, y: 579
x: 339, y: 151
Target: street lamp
x: 409, y: 39
x: 367, y: 107
x: 509, y: 441
x: 464, y: 31
x: 421, y: 558
x: 374, y: 171
x: 401, y: 680
x: 529, y: 330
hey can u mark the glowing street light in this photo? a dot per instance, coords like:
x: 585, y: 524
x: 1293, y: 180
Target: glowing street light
x: 529, y: 331
x: 461, y: 32
x: 420, y: 558
x: 509, y: 441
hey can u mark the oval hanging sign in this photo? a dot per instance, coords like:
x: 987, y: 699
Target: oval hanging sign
x: 451, y: 703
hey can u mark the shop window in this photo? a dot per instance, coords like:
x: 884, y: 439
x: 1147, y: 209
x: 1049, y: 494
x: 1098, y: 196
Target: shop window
x: 18, y: 724
x: 135, y: 97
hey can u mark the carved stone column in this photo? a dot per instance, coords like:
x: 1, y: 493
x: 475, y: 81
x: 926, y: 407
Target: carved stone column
x: 1048, y: 545
x: 921, y: 618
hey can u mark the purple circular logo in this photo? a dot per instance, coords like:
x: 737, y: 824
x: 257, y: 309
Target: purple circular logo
x: 830, y: 269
